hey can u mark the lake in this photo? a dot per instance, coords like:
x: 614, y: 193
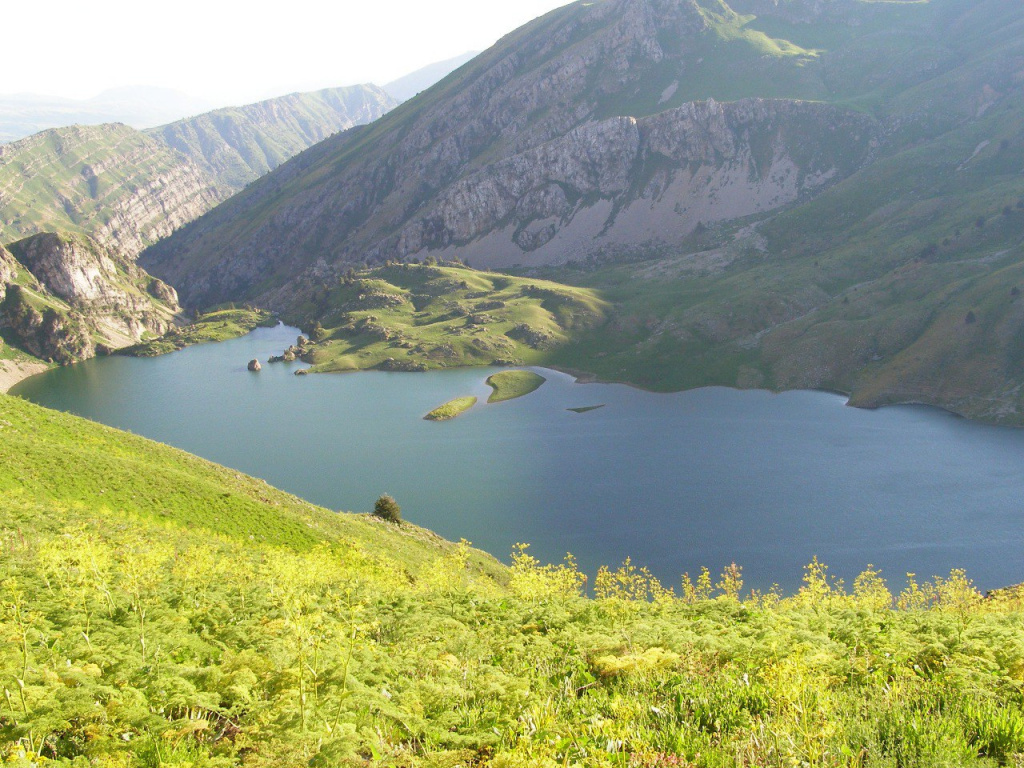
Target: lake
x: 673, y: 481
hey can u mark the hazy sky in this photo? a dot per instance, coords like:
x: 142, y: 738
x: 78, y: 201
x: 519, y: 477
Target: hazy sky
x: 228, y: 51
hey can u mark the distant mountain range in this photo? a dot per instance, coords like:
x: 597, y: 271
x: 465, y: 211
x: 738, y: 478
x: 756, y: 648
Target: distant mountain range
x: 404, y: 88
x: 22, y: 115
x: 143, y: 107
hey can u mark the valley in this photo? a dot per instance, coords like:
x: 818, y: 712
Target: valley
x: 581, y: 488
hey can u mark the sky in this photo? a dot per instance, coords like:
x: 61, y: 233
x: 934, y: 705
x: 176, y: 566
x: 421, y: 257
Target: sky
x: 232, y: 52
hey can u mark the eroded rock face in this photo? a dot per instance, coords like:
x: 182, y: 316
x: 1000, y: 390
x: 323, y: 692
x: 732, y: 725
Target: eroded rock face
x: 75, y: 298
x: 8, y: 269
x: 128, y: 188
x: 70, y: 268
x: 638, y: 183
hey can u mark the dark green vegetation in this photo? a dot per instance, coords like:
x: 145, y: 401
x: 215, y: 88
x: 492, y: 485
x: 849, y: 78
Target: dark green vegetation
x: 217, y: 325
x: 451, y: 409
x: 411, y: 317
x: 586, y: 408
x: 386, y: 508
x: 883, y: 256
x: 509, y: 385
x: 161, y: 610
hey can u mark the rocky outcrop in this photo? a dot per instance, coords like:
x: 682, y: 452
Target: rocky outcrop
x: 8, y: 270
x: 66, y: 298
x: 627, y: 183
x: 254, y: 366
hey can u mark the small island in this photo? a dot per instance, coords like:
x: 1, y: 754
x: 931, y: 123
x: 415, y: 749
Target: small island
x: 451, y: 409
x: 509, y: 385
x: 586, y: 408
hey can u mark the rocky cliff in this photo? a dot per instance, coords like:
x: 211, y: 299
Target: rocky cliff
x: 66, y: 297
x: 623, y: 183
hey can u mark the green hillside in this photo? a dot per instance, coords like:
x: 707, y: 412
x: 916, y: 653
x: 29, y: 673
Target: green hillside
x: 110, y: 182
x: 159, y: 610
x: 421, y: 317
x: 897, y: 284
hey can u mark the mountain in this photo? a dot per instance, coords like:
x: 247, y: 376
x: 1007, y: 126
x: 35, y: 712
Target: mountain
x: 404, y: 88
x: 553, y: 145
x: 772, y: 193
x: 22, y: 115
x: 128, y: 188
x: 240, y: 144
x: 112, y: 182
x: 63, y: 298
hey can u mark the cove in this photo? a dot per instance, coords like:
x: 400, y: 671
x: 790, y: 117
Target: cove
x: 677, y: 481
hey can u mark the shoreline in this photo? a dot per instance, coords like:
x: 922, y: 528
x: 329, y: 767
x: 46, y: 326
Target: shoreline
x: 12, y: 372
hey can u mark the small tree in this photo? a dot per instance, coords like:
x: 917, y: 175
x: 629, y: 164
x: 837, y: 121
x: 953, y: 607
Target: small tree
x: 387, y: 508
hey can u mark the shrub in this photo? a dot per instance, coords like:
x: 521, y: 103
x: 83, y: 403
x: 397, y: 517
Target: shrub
x: 387, y: 508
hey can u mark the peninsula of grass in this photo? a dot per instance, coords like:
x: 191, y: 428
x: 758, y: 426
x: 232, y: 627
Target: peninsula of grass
x: 420, y: 317
x: 508, y: 385
x: 451, y: 409
x: 219, y: 325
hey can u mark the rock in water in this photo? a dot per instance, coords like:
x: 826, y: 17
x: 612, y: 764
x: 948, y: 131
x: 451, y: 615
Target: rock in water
x: 254, y: 366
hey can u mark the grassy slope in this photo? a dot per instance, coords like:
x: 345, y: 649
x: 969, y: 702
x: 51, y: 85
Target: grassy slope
x: 509, y: 385
x: 50, y: 458
x: 162, y: 610
x: 866, y: 289
x: 412, y: 317
x: 216, y: 325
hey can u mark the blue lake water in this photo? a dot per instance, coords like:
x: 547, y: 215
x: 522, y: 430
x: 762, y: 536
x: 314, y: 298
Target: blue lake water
x: 674, y: 481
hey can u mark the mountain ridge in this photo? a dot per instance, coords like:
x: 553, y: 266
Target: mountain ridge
x: 129, y: 188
